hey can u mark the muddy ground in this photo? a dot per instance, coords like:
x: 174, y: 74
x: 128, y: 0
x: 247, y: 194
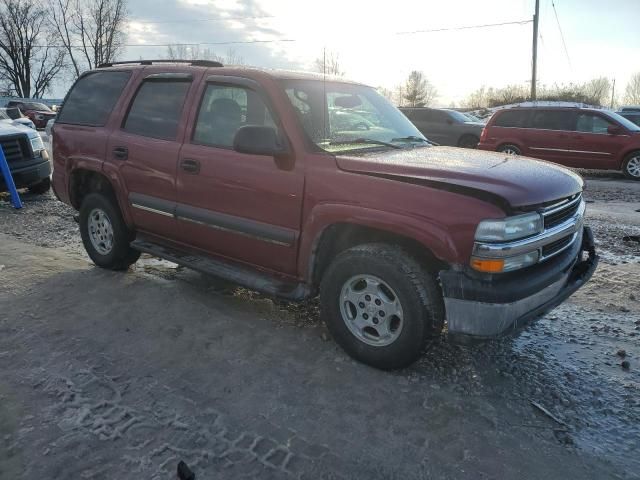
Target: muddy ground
x: 106, y: 375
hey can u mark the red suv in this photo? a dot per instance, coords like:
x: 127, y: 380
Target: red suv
x: 254, y: 176
x: 575, y: 137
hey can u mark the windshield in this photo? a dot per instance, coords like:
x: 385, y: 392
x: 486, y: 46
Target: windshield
x: 342, y: 116
x: 36, y: 106
x: 459, y: 117
x: 625, y: 122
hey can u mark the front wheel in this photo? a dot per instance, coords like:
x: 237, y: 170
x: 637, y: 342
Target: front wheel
x: 631, y: 166
x: 381, y: 305
x: 104, y: 234
x: 468, y: 141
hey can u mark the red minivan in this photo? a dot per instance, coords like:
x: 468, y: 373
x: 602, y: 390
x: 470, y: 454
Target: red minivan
x: 572, y: 136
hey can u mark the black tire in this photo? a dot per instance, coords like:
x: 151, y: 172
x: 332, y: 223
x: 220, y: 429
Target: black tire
x: 630, y: 166
x: 468, y: 141
x: 509, y: 148
x: 41, y: 188
x: 120, y: 256
x: 417, y: 292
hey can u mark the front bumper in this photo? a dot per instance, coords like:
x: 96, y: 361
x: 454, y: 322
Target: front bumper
x: 497, y: 305
x: 26, y: 176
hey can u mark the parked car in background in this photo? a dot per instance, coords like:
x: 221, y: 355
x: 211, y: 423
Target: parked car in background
x: 15, y: 117
x: 572, y: 136
x: 243, y: 174
x: 37, y: 112
x: 445, y: 127
x: 630, y: 113
x: 27, y: 158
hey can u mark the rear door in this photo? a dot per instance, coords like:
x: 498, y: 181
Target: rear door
x: 548, y: 135
x: 592, y: 146
x: 145, y: 148
x: 231, y: 204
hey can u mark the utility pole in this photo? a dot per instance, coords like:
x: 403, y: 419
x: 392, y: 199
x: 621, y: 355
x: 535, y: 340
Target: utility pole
x: 613, y: 93
x: 534, y: 63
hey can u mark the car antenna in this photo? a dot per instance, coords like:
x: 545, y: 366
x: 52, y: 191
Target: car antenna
x: 325, y: 103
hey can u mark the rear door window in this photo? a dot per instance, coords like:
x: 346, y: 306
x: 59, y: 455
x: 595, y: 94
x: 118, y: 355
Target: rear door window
x: 552, y: 120
x: 512, y: 119
x: 92, y: 98
x: 157, y: 108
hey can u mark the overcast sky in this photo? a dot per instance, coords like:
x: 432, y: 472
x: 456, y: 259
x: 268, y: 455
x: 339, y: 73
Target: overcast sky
x: 602, y: 38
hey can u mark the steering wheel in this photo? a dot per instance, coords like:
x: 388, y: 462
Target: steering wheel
x: 361, y: 126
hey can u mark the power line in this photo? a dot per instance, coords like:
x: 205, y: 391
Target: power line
x: 468, y: 27
x: 193, y: 20
x: 566, y: 52
x: 288, y: 40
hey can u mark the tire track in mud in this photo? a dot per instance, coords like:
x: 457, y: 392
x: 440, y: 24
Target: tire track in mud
x: 87, y: 403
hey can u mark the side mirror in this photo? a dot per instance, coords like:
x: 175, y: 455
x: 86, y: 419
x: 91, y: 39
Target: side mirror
x: 258, y: 140
x: 263, y: 140
x: 614, y: 129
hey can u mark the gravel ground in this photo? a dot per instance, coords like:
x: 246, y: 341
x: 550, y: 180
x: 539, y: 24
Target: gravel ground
x: 107, y: 375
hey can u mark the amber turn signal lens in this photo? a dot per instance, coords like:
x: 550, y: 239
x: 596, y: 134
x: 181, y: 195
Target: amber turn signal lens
x: 485, y: 265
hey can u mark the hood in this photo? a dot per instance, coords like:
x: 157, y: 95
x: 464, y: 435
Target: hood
x: 7, y: 127
x: 519, y: 181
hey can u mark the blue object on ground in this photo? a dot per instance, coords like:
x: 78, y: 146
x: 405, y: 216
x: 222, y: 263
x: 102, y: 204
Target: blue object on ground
x: 8, y: 180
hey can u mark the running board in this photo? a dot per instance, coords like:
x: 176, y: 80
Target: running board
x: 240, y: 275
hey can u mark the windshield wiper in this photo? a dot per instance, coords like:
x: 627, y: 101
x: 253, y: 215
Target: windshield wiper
x: 413, y: 138
x: 364, y: 140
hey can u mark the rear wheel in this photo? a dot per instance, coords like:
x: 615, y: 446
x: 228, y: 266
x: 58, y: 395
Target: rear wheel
x: 380, y: 305
x: 631, y: 166
x: 468, y: 141
x: 41, y: 187
x: 104, y: 234
x: 509, y: 149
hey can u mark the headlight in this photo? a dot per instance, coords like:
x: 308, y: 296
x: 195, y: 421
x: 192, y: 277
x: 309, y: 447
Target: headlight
x: 37, y: 146
x: 39, y: 117
x: 510, y: 228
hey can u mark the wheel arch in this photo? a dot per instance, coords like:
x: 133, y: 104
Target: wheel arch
x: 337, y: 237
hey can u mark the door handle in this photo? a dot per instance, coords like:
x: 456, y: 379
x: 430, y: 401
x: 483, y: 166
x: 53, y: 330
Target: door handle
x: 121, y: 153
x: 190, y: 165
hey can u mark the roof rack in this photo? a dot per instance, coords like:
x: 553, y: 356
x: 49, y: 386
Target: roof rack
x: 195, y: 63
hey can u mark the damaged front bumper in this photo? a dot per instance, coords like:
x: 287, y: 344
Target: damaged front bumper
x: 492, y: 305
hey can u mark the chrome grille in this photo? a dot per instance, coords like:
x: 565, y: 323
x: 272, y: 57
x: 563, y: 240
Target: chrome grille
x: 553, y: 248
x: 561, y: 212
x: 12, y: 149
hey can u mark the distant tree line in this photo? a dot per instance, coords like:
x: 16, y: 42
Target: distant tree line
x: 597, y: 91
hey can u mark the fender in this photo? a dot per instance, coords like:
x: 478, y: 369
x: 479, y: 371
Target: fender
x: 433, y: 236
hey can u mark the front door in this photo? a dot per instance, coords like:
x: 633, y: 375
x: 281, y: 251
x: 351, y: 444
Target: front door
x: 236, y: 205
x: 592, y: 146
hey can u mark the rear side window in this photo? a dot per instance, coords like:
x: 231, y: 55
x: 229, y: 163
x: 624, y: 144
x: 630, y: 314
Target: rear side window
x: 92, y: 98
x: 157, y: 108
x: 551, y: 120
x: 512, y: 118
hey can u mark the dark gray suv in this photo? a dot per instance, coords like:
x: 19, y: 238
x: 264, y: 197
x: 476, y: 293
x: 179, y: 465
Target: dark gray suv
x: 445, y: 127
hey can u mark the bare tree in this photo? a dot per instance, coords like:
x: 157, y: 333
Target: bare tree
x: 28, y: 61
x: 597, y: 91
x: 91, y: 32
x: 386, y: 93
x: 181, y: 51
x: 418, y: 90
x: 632, y: 92
x: 329, y: 64
x: 476, y: 99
